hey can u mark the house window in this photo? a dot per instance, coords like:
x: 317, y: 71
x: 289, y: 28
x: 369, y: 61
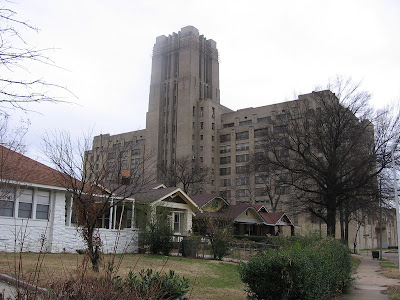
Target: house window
x: 42, y: 204
x: 25, y: 203
x: 259, y: 144
x: 243, y: 123
x: 201, y: 125
x: 7, y: 202
x: 178, y: 222
x: 260, y: 132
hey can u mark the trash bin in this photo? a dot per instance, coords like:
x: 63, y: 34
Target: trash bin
x: 375, y: 254
x: 189, y: 247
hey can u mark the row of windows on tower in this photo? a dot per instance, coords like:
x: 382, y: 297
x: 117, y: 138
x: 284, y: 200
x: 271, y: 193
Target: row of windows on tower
x: 202, y: 111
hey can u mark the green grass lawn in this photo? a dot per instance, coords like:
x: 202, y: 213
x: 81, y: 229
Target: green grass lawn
x: 209, y: 279
x: 391, y: 270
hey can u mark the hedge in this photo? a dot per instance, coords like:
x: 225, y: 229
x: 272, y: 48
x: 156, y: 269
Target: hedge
x: 306, y: 269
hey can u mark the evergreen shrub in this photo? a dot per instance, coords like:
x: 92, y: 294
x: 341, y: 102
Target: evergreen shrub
x: 308, y: 268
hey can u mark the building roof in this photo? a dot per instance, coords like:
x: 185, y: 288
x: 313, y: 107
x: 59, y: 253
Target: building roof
x: 203, y: 199
x: 20, y: 168
x: 274, y: 218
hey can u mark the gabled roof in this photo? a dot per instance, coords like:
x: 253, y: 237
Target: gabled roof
x: 275, y: 218
x: 15, y: 167
x: 203, y: 199
x: 158, y: 194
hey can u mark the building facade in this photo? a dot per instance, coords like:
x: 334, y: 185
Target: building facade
x: 186, y: 119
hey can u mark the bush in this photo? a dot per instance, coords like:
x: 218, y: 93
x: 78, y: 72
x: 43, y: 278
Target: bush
x: 293, y: 271
x: 169, y: 285
x: 143, y: 286
x: 158, y: 238
x: 220, y: 242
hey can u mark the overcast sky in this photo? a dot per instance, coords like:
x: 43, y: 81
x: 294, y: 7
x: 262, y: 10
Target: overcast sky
x: 269, y: 50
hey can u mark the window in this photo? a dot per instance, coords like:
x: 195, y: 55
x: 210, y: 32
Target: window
x: 225, y: 182
x: 226, y: 194
x: 194, y: 110
x: 242, y: 158
x: 212, y: 138
x: 201, y: 111
x: 228, y: 125
x: 25, y: 203
x: 260, y: 132
x: 224, y: 160
x: 201, y: 125
x: 264, y: 119
x: 225, y: 149
x: 225, y: 171
x: 224, y: 138
x: 242, y: 193
x: 261, y: 192
x: 242, y: 146
x: 201, y: 137
x: 111, y: 155
x: 243, y: 123
x: 201, y: 159
x: 212, y: 126
x: 280, y: 129
x: 242, y: 170
x: 178, y: 222
x: 244, y: 135
x: 124, y: 154
x: 261, y: 179
x: 7, y: 202
x: 42, y: 204
x: 262, y: 168
x: 242, y: 181
x: 282, y: 190
x: 201, y: 148
x: 213, y: 112
x: 135, y: 161
x: 282, y: 153
x: 259, y: 144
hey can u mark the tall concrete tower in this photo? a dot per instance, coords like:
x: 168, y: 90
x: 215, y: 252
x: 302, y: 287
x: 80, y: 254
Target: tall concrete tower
x: 184, y: 94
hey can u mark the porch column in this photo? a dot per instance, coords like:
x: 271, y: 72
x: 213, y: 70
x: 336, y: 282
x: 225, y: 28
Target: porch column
x: 110, y: 219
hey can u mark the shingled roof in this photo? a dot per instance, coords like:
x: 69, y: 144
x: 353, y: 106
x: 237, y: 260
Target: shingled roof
x: 20, y: 168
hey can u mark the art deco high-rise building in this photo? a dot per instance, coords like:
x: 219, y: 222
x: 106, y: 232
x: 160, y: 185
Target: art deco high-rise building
x: 184, y: 98
x: 185, y: 119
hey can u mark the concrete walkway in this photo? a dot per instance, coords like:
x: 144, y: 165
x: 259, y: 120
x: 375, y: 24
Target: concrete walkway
x: 369, y: 284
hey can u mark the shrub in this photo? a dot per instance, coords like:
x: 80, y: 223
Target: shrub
x: 158, y: 238
x: 220, y: 242
x: 293, y: 271
x: 169, y: 285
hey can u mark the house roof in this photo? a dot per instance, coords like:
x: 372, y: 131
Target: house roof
x: 20, y: 168
x: 203, y: 199
x: 274, y: 218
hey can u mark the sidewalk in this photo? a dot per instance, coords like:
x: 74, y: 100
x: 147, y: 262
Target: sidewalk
x: 369, y: 283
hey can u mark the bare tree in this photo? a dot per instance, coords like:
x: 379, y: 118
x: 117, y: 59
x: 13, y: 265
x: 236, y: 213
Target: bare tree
x: 15, y: 55
x: 97, y: 182
x: 333, y: 145
x: 191, y: 174
x: 11, y: 140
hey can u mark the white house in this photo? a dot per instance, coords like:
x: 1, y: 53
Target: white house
x: 36, y: 210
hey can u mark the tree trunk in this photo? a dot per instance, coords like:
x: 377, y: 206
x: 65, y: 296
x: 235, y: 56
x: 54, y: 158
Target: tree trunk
x: 341, y: 221
x: 346, y: 224
x: 331, y: 221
